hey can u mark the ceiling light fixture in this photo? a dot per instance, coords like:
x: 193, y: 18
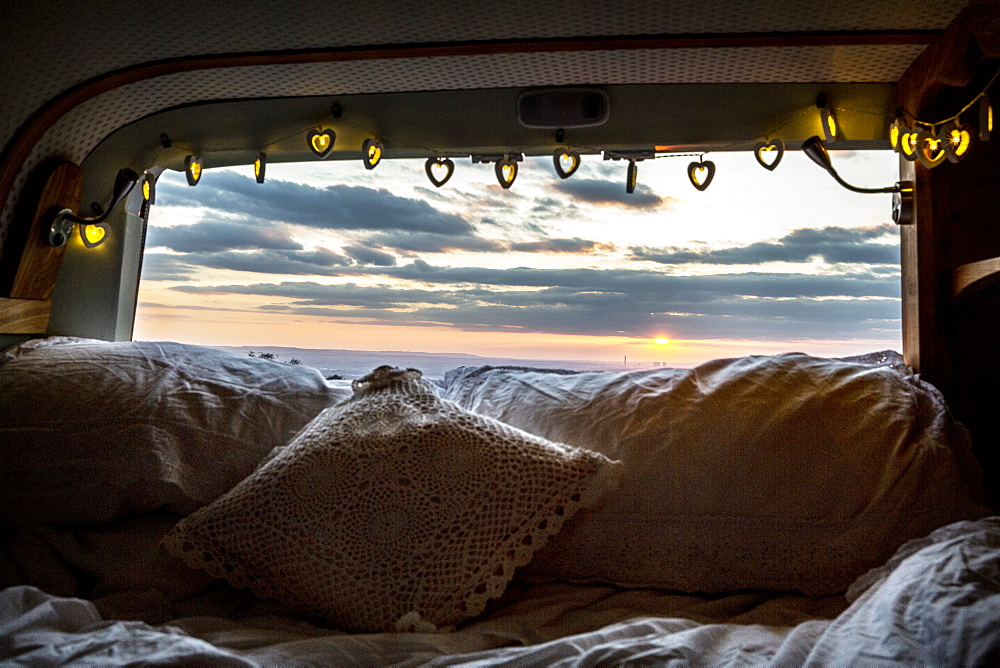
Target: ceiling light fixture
x: 439, y: 170
x: 259, y: 165
x: 372, y: 153
x: 902, y: 192
x: 193, y: 169
x: 566, y: 162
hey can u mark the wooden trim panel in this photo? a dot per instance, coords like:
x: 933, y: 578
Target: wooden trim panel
x: 24, y: 316
x: 974, y: 276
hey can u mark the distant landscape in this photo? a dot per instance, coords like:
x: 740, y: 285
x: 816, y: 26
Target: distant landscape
x: 350, y: 364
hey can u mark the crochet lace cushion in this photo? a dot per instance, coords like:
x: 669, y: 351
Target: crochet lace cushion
x: 394, y: 510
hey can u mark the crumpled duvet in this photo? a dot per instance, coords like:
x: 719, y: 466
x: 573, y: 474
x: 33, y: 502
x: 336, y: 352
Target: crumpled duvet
x: 936, y: 602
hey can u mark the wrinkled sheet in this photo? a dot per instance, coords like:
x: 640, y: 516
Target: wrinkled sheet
x: 936, y: 602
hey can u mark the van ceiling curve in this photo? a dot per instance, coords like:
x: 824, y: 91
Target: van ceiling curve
x: 55, y: 49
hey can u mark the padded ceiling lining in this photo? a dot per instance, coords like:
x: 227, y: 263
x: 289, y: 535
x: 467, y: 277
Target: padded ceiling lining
x: 76, y: 133
x: 48, y: 48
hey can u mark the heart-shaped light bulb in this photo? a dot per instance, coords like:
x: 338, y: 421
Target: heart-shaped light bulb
x: 769, y: 154
x: 954, y: 141
x: 908, y: 145
x: 829, y: 125
x: 506, y: 171
x: 372, y: 151
x: 94, y: 235
x: 701, y: 173
x: 321, y: 143
x: 631, y: 177
x: 192, y: 170
x: 259, y: 166
x: 930, y: 150
x: 439, y: 170
x: 565, y: 162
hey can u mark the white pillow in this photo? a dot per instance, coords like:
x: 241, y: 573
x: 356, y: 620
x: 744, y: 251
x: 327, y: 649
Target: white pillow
x: 91, y: 431
x: 393, y: 511
x: 781, y: 473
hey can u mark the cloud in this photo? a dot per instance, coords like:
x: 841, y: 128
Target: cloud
x: 320, y: 261
x: 164, y: 267
x: 218, y: 235
x: 336, y: 207
x: 834, y: 245
x: 368, y: 255
x: 423, y: 242
x: 597, y: 191
x: 594, y: 302
x: 575, y: 245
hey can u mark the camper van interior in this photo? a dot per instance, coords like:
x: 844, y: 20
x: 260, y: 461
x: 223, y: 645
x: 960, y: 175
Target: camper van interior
x: 170, y: 504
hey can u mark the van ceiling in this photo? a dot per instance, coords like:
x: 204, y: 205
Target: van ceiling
x: 75, y: 72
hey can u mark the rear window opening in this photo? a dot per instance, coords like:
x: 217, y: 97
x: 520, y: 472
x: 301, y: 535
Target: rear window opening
x: 570, y: 272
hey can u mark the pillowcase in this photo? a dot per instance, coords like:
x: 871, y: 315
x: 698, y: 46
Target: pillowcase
x: 782, y: 473
x: 91, y: 431
x: 393, y: 511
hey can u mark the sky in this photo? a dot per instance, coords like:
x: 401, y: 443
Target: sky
x: 328, y: 254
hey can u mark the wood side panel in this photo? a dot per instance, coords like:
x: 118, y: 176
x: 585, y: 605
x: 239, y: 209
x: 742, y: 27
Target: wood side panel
x: 954, y: 340
x: 40, y: 262
x: 24, y: 316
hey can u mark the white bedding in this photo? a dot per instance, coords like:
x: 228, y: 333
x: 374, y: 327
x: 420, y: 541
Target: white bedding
x: 937, y: 602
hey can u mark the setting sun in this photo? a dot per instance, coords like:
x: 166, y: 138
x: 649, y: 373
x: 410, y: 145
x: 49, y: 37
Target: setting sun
x: 661, y: 341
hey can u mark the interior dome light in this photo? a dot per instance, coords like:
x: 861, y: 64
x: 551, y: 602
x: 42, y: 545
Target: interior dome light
x: 768, y: 154
x: 701, y: 173
x: 321, y: 143
x: 439, y: 170
x: 192, y: 169
x: 372, y: 153
x: 566, y: 162
x: 259, y: 165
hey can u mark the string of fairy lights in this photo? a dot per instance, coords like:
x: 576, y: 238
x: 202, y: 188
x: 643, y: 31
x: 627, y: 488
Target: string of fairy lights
x: 930, y: 143
x: 949, y: 139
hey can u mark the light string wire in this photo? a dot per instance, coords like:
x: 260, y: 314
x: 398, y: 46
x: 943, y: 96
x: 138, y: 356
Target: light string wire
x: 986, y: 88
x: 594, y: 150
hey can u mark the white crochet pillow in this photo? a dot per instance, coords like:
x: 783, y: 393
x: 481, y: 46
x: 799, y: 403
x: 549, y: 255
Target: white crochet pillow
x: 394, y: 510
